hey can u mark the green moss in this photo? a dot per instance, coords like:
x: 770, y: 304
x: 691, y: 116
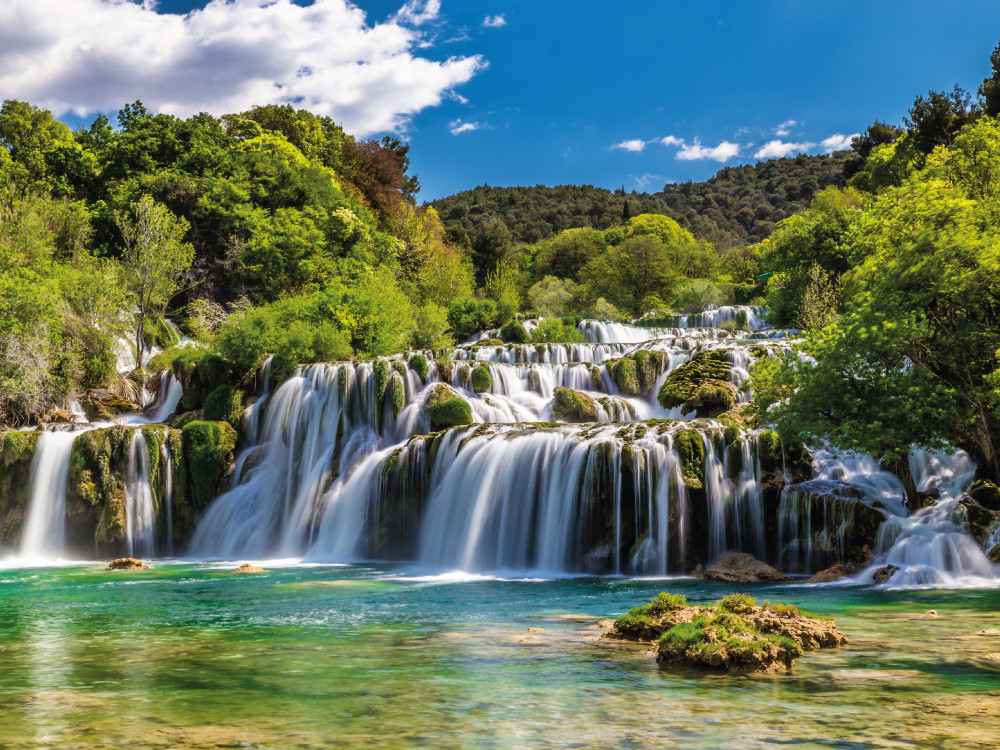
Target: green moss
x: 685, y: 635
x: 446, y: 408
x: 200, y: 373
x: 399, y: 366
x: 741, y: 319
x: 482, y: 382
x: 397, y: 394
x: 224, y: 404
x: 572, y: 406
x: 464, y: 373
x: 690, y: 449
x: 208, y: 452
x: 701, y: 385
x: 625, y: 375
x: 17, y: 449
x: 418, y: 363
x: 381, y: 372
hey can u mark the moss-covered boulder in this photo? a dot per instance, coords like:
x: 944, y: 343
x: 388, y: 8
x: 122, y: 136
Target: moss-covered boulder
x: 397, y: 393
x: 200, y: 373
x: 224, y: 404
x: 418, y: 363
x: 573, y: 406
x: 690, y: 447
x: 17, y: 449
x: 636, y: 374
x: 701, y: 385
x: 102, y: 405
x: 734, y: 634
x: 209, y: 448
x: 446, y: 408
x: 482, y: 381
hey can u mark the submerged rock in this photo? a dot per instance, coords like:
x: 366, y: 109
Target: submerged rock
x: 883, y: 574
x: 830, y: 574
x: 127, y: 563
x: 248, y: 568
x: 742, y: 567
x: 734, y: 634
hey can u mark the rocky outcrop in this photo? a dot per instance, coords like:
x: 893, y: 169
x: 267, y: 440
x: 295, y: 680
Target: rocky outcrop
x: 247, y: 568
x: 702, y: 385
x: 883, y: 574
x: 445, y: 408
x: 636, y: 373
x: 734, y: 635
x: 980, y: 522
x: 829, y: 575
x: 17, y: 449
x: 573, y: 406
x: 127, y: 563
x: 742, y: 567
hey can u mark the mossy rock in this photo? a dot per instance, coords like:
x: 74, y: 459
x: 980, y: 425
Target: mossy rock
x: 464, y: 373
x: 399, y: 367
x: 701, y: 385
x: 397, y: 394
x: 690, y: 447
x: 445, y: 368
x: 209, y: 448
x: 224, y: 404
x: 986, y: 494
x: 17, y: 450
x: 635, y: 374
x: 482, y: 381
x: 380, y: 368
x: 200, y: 373
x: 418, y: 363
x: 446, y: 408
x: 573, y: 406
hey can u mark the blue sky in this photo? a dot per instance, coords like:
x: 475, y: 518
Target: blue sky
x: 552, y: 92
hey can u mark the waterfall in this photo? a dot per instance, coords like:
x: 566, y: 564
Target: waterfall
x: 931, y: 547
x: 168, y: 494
x: 45, y: 526
x: 140, y: 515
x: 168, y: 395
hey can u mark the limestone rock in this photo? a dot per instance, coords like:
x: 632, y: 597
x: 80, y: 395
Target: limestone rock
x: 742, y: 567
x: 248, y: 568
x: 883, y: 574
x: 830, y: 574
x: 127, y: 563
x: 573, y: 406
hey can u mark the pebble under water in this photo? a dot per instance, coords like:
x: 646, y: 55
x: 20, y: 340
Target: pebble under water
x: 188, y: 656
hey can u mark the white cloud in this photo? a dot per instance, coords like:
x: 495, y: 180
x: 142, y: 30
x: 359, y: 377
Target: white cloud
x: 90, y: 56
x: 723, y: 152
x: 671, y: 140
x: 777, y: 149
x: 635, y: 144
x: 838, y: 142
x: 785, y: 128
x: 457, y: 126
x: 645, y: 180
x: 416, y: 12
x: 494, y: 22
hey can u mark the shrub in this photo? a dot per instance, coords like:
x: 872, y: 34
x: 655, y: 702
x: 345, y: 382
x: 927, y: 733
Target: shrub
x: 514, y: 332
x: 737, y: 603
x: 418, y: 363
x: 555, y: 332
x: 224, y: 404
x: 482, y: 382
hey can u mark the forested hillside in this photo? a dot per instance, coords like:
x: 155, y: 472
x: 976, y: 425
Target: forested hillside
x: 738, y: 205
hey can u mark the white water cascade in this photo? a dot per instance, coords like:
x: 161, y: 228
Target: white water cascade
x: 168, y: 494
x: 44, y: 532
x: 140, y: 514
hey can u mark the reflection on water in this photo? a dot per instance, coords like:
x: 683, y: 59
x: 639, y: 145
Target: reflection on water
x: 313, y: 657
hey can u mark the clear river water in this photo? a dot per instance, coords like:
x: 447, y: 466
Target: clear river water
x: 185, y: 655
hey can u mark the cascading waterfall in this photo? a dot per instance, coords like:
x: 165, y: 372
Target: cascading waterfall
x: 140, y: 514
x: 931, y: 547
x: 45, y: 527
x: 168, y: 395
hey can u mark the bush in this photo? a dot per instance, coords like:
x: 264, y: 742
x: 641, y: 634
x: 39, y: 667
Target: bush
x: 737, y: 603
x: 514, y: 332
x: 555, y: 331
x: 430, y: 323
x: 482, y: 382
x: 697, y: 294
x: 468, y: 315
x: 418, y: 363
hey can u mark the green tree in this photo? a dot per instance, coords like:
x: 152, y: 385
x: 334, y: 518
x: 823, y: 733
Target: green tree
x: 155, y: 259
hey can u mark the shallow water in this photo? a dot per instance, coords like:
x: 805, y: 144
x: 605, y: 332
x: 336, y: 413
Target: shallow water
x: 187, y: 656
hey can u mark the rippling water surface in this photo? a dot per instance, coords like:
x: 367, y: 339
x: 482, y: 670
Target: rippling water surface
x: 187, y: 656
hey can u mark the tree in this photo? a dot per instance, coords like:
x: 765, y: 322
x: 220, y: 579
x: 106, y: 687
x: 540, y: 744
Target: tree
x: 989, y: 89
x: 155, y: 260
x: 934, y: 121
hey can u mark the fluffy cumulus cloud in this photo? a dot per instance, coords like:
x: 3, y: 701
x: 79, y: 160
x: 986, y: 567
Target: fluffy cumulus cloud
x: 838, y: 142
x: 634, y: 144
x: 494, y: 22
x: 777, y: 149
x: 672, y: 140
x: 89, y: 56
x: 695, y: 151
x: 457, y: 127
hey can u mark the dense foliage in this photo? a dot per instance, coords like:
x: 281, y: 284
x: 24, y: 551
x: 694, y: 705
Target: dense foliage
x: 896, y: 281
x: 739, y: 204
